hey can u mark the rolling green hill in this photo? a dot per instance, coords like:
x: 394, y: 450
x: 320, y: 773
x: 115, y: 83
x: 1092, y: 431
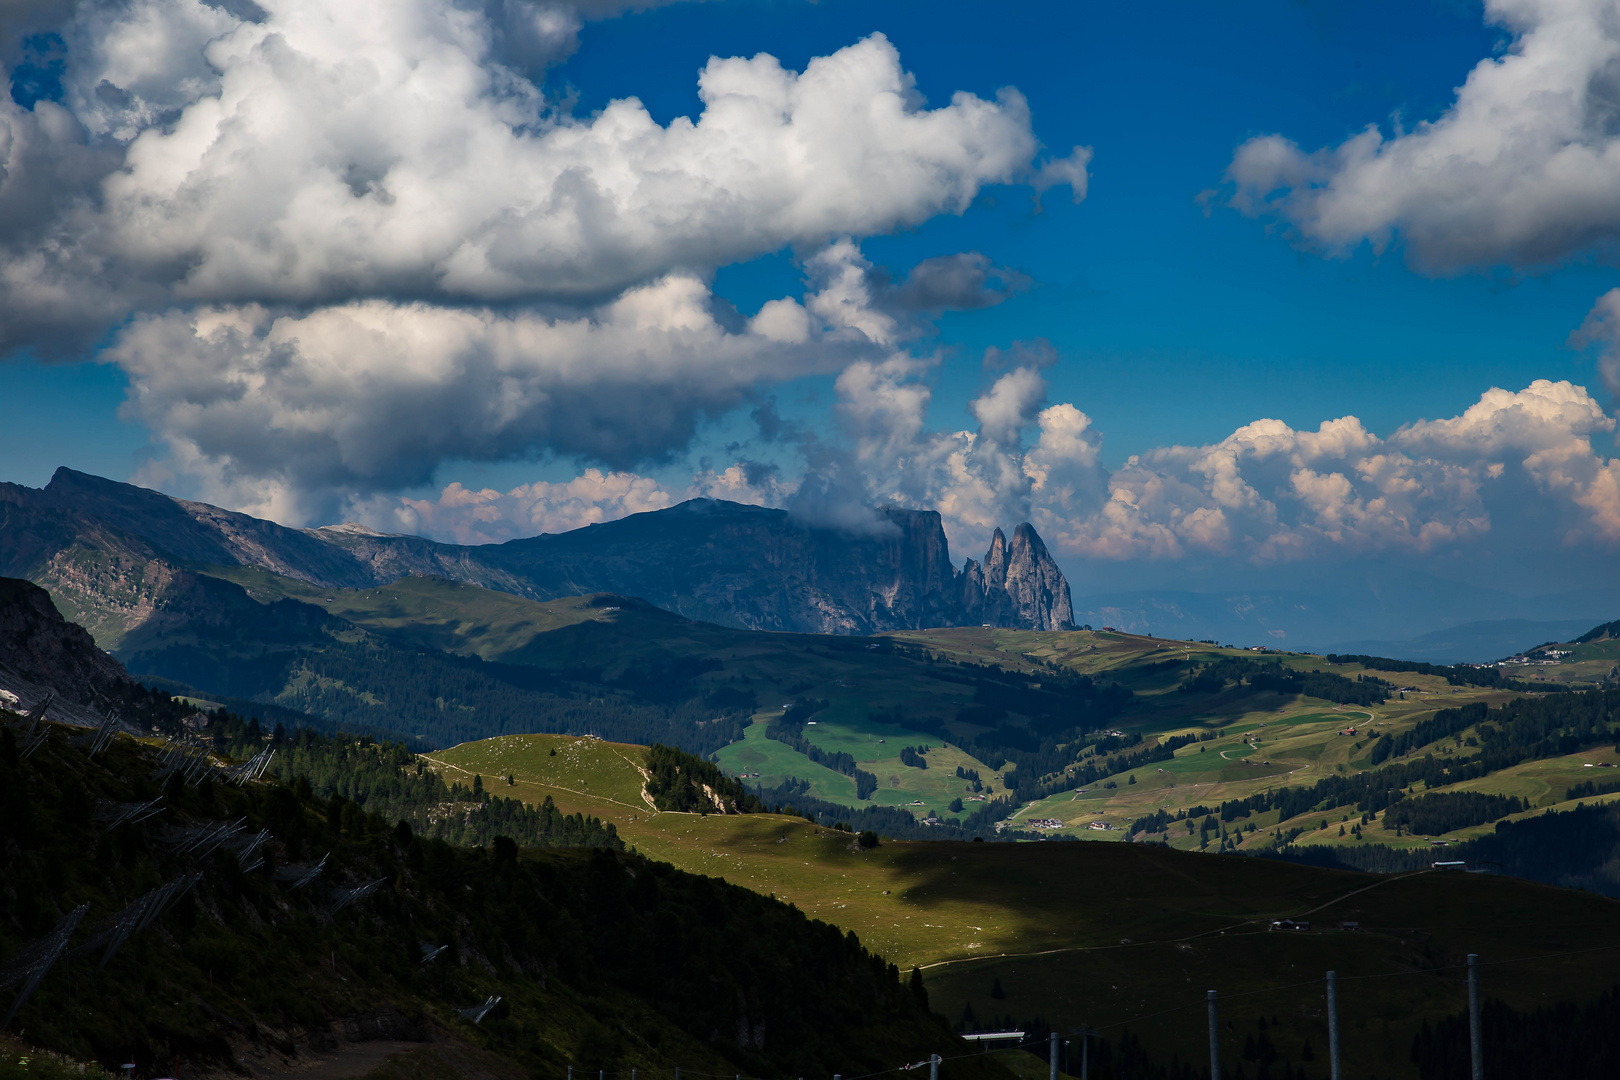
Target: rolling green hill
x: 1120, y: 936
x: 967, y: 724
x: 1185, y: 744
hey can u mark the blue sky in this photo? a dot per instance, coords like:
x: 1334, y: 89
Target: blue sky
x: 1175, y: 325
x: 1175, y: 319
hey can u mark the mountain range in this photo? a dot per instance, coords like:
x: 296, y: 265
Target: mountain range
x: 1365, y: 607
x: 119, y: 558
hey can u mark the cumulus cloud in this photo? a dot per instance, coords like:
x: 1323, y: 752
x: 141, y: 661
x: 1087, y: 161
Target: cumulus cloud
x: 758, y: 483
x: 1519, y: 469
x: 1521, y: 462
x: 339, y: 244
x: 1601, y: 330
x: 326, y: 152
x: 489, y: 516
x: 373, y: 395
x: 958, y: 282
x: 1008, y: 405
x: 977, y: 479
x: 1069, y: 171
x: 1523, y: 169
x: 464, y: 516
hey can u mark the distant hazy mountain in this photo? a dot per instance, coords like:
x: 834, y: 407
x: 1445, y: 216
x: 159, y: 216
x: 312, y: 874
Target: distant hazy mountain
x: 1471, y: 643
x: 119, y: 557
x: 1365, y: 608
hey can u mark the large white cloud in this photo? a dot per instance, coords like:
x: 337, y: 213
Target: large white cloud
x: 1516, y: 469
x: 292, y: 414
x: 348, y: 242
x: 979, y: 478
x: 328, y: 152
x: 1523, y: 169
x: 1517, y: 463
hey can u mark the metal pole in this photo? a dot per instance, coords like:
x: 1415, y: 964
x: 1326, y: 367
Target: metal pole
x: 1214, y: 1041
x: 1051, y: 1058
x: 1085, y: 1054
x: 933, y: 1067
x: 1333, y: 1024
x: 1476, y: 1053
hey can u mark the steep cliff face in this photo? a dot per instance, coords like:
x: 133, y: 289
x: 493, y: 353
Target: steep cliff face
x: 116, y: 556
x: 42, y: 647
x: 753, y: 567
x: 1018, y: 585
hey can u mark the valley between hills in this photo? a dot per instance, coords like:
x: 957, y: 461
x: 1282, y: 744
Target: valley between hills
x: 1050, y: 826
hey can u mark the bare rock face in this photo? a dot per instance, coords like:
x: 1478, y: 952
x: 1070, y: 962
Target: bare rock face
x: 117, y: 557
x: 1019, y: 585
x: 42, y: 647
x: 754, y: 567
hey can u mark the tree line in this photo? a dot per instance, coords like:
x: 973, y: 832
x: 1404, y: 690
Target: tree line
x: 1448, y: 811
x: 387, y: 778
x: 788, y: 729
x: 1575, y: 849
x: 356, y: 681
x: 686, y: 783
x: 1455, y: 674
x: 1524, y: 729
x: 572, y: 941
x: 1259, y: 676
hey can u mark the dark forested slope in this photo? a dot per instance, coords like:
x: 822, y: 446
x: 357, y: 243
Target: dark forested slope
x: 193, y: 941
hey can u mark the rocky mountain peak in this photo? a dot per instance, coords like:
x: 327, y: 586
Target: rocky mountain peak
x: 118, y: 557
x: 1018, y: 585
x: 995, y: 561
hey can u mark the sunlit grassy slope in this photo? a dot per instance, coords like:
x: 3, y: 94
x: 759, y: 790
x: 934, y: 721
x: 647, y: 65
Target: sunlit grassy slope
x: 1103, y: 934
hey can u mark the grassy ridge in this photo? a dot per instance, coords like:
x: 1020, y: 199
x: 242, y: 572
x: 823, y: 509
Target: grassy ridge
x: 1061, y: 926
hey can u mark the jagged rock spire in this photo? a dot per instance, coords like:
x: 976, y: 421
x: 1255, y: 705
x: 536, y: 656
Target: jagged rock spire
x: 1018, y: 585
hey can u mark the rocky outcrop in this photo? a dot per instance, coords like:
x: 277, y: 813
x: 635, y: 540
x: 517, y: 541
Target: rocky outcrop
x: 755, y: 567
x: 112, y: 552
x: 1018, y: 585
x: 42, y: 647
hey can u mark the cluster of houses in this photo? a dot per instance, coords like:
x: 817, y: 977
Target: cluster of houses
x: 1545, y: 658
